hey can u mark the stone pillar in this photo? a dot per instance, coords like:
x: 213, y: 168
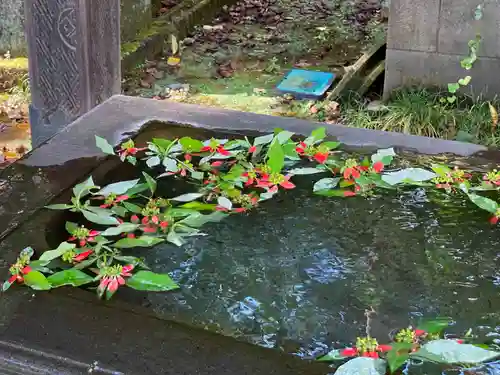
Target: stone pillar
x: 11, y: 27
x: 74, y: 60
x: 427, y: 39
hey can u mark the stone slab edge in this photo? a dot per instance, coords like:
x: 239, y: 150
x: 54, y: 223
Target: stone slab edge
x: 18, y: 359
x: 122, y: 116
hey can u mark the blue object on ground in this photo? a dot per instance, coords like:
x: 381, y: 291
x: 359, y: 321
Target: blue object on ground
x: 306, y: 84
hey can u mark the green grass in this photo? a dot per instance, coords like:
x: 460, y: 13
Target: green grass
x: 421, y: 112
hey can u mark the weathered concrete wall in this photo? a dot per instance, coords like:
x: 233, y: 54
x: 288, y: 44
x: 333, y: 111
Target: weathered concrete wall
x: 136, y: 15
x: 11, y: 27
x: 427, y: 39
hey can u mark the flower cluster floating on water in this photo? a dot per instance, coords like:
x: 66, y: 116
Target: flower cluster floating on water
x: 411, y: 345
x: 229, y: 177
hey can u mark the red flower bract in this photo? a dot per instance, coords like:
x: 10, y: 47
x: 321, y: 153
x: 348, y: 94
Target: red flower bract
x: 349, y: 352
x: 378, y: 166
x: 494, y: 220
x: 419, y: 332
x: 321, y: 157
x: 219, y: 149
x: 82, y: 256
x: 301, y: 148
x: 351, y: 172
x: 114, y: 276
x: 252, y: 149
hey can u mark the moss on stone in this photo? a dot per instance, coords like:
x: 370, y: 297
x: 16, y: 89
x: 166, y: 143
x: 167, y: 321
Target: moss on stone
x: 158, y: 27
x: 18, y: 63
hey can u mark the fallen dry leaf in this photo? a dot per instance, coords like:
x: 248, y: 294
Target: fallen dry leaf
x: 173, y: 61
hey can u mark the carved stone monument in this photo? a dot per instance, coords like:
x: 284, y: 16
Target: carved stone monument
x: 74, y: 60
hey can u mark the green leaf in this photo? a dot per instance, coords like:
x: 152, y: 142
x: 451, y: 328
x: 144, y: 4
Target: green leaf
x: 187, y: 197
x: 27, y: 252
x: 234, y: 173
x: 70, y: 227
x: 304, y: 171
x: 132, y: 207
x: 59, y: 206
x: 276, y: 157
x: 224, y: 202
x: 175, y: 238
x: 100, y: 211
x: 6, y: 285
x: 197, y: 220
x: 398, y: 355
x: 326, y: 184
x: 332, y: 355
x: 441, y: 169
x: 200, y: 206
x: 363, y: 366
x: 468, y: 62
x: 132, y: 159
x: 118, y: 188
x: 190, y: 144
x: 330, y: 145
x: 385, y: 156
x: 331, y: 193
x: 484, y: 203
x: 451, y: 99
x: 150, y: 181
x: 408, y: 175
x: 453, y: 87
x: 122, y: 228
x: 464, y: 81
x: 170, y: 165
x: 318, y: 134
x: 39, y: 265
x: 153, y: 161
x: 139, y: 188
x: 436, y: 325
x: 283, y: 136
x: 99, y: 219
x: 104, y: 145
x: 73, y: 277
x: 164, y: 144
x: 119, y: 210
x: 451, y: 352
x: 264, y: 140
x: 143, y: 241
x: 37, y: 281
x: 83, y: 189
x: 151, y: 282
x: 85, y: 264
x: 197, y: 175
x: 53, y: 254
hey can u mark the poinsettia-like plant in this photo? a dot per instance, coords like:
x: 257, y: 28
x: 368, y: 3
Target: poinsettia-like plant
x: 424, y: 343
x: 226, y: 177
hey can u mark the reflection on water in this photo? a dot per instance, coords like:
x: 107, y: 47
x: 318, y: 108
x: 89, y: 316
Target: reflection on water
x: 298, y: 273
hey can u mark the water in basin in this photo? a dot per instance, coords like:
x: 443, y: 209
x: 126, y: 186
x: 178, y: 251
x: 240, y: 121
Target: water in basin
x: 299, y: 272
